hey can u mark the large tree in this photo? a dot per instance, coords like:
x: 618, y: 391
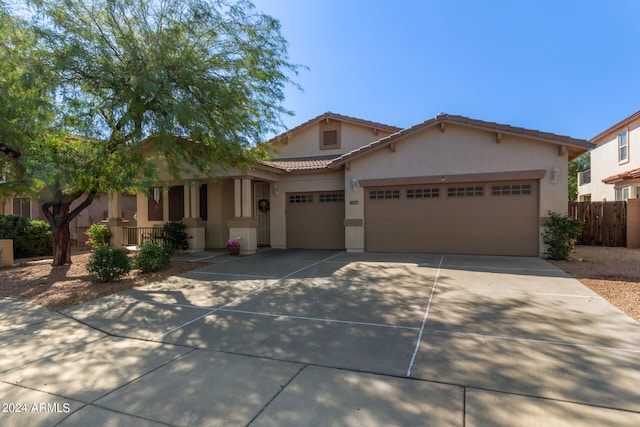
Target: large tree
x: 95, y: 83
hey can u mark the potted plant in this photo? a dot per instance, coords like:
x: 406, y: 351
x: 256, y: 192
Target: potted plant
x: 234, y: 246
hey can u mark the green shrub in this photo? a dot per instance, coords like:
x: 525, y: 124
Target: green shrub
x: 560, y: 235
x: 151, y: 256
x: 176, y: 236
x: 38, y: 238
x: 107, y: 264
x: 30, y: 237
x: 99, y: 235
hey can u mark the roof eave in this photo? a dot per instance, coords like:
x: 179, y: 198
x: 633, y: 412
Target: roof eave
x: 574, y: 147
x: 624, y: 122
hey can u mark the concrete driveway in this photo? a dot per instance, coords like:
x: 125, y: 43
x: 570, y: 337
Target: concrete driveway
x: 329, y: 338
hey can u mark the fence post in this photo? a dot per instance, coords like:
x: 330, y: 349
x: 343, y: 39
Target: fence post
x: 633, y: 223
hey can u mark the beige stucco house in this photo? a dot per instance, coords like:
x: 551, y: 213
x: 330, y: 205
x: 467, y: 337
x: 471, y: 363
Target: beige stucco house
x: 98, y: 211
x: 448, y: 185
x: 615, y: 164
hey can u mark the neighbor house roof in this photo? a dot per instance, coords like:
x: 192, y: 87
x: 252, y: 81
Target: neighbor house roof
x: 333, y: 116
x: 573, y: 145
x: 620, y: 124
x: 632, y: 174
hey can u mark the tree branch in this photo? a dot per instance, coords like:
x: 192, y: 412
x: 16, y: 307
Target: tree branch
x: 9, y: 152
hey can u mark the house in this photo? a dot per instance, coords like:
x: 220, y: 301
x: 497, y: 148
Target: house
x: 448, y: 185
x: 31, y: 208
x: 615, y: 164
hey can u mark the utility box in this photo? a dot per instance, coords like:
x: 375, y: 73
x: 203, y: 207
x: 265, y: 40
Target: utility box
x: 6, y: 253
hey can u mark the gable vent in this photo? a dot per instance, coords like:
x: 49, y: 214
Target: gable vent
x: 330, y: 138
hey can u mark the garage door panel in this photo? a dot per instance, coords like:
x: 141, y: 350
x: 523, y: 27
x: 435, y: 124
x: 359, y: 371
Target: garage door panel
x: 475, y: 218
x: 315, y: 220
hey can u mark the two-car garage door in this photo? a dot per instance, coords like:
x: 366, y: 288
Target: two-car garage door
x: 477, y: 218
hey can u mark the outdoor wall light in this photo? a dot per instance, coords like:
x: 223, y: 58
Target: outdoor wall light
x: 156, y: 194
x: 275, y: 189
x: 354, y: 184
x: 554, y: 175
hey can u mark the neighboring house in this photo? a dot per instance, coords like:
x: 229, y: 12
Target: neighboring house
x: 30, y: 207
x: 615, y: 164
x: 448, y: 185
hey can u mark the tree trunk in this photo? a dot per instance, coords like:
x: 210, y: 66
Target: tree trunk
x: 59, y: 216
x: 61, y: 244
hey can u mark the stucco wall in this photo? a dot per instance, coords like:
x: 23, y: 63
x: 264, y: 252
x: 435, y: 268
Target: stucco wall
x: 306, y: 142
x: 459, y: 150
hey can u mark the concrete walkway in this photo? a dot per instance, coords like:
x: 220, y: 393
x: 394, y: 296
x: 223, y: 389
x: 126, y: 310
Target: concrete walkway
x: 321, y: 338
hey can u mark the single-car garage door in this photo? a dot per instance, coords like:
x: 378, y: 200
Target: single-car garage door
x: 493, y: 218
x: 315, y: 220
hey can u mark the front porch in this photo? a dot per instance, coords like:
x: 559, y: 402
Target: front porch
x: 214, y: 210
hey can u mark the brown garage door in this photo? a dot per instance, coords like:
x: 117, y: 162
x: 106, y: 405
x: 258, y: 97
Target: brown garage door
x: 315, y: 220
x: 471, y: 218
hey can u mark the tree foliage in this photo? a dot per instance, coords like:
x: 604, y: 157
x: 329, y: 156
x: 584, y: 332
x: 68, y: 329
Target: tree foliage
x: 577, y: 165
x: 102, y: 92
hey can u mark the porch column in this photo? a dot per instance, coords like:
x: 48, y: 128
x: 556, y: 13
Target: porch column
x: 114, y: 207
x: 195, y: 225
x: 244, y: 227
x: 187, y: 200
x: 237, y: 196
x: 247, y: 199
x: 115, y: 222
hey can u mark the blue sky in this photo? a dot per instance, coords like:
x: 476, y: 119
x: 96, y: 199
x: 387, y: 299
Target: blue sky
x: 565, y: 66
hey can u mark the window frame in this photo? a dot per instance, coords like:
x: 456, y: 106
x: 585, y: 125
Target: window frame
x: 21, y: 203
x: 623, y: 136
x: 620, y: 193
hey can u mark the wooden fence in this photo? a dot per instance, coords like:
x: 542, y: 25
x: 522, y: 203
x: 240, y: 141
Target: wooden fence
x: 605, y: 223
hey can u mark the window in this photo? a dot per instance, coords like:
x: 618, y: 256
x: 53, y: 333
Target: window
x: 301, y: 198
x: 622, y: 193
x: 511, y: 190
x: 331, y: 197
x: 623, y: 146
x: 384, y: 194
x: 465, y: 191
x: 422, y: 193
x: 22, y: 206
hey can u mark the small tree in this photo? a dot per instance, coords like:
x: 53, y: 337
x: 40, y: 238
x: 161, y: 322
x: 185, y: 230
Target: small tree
x: 560, y: 235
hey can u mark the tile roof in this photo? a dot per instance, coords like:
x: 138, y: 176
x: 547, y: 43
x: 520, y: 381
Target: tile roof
x: 578, y: 146
x: 300, y: 163
x: 632, y: 174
